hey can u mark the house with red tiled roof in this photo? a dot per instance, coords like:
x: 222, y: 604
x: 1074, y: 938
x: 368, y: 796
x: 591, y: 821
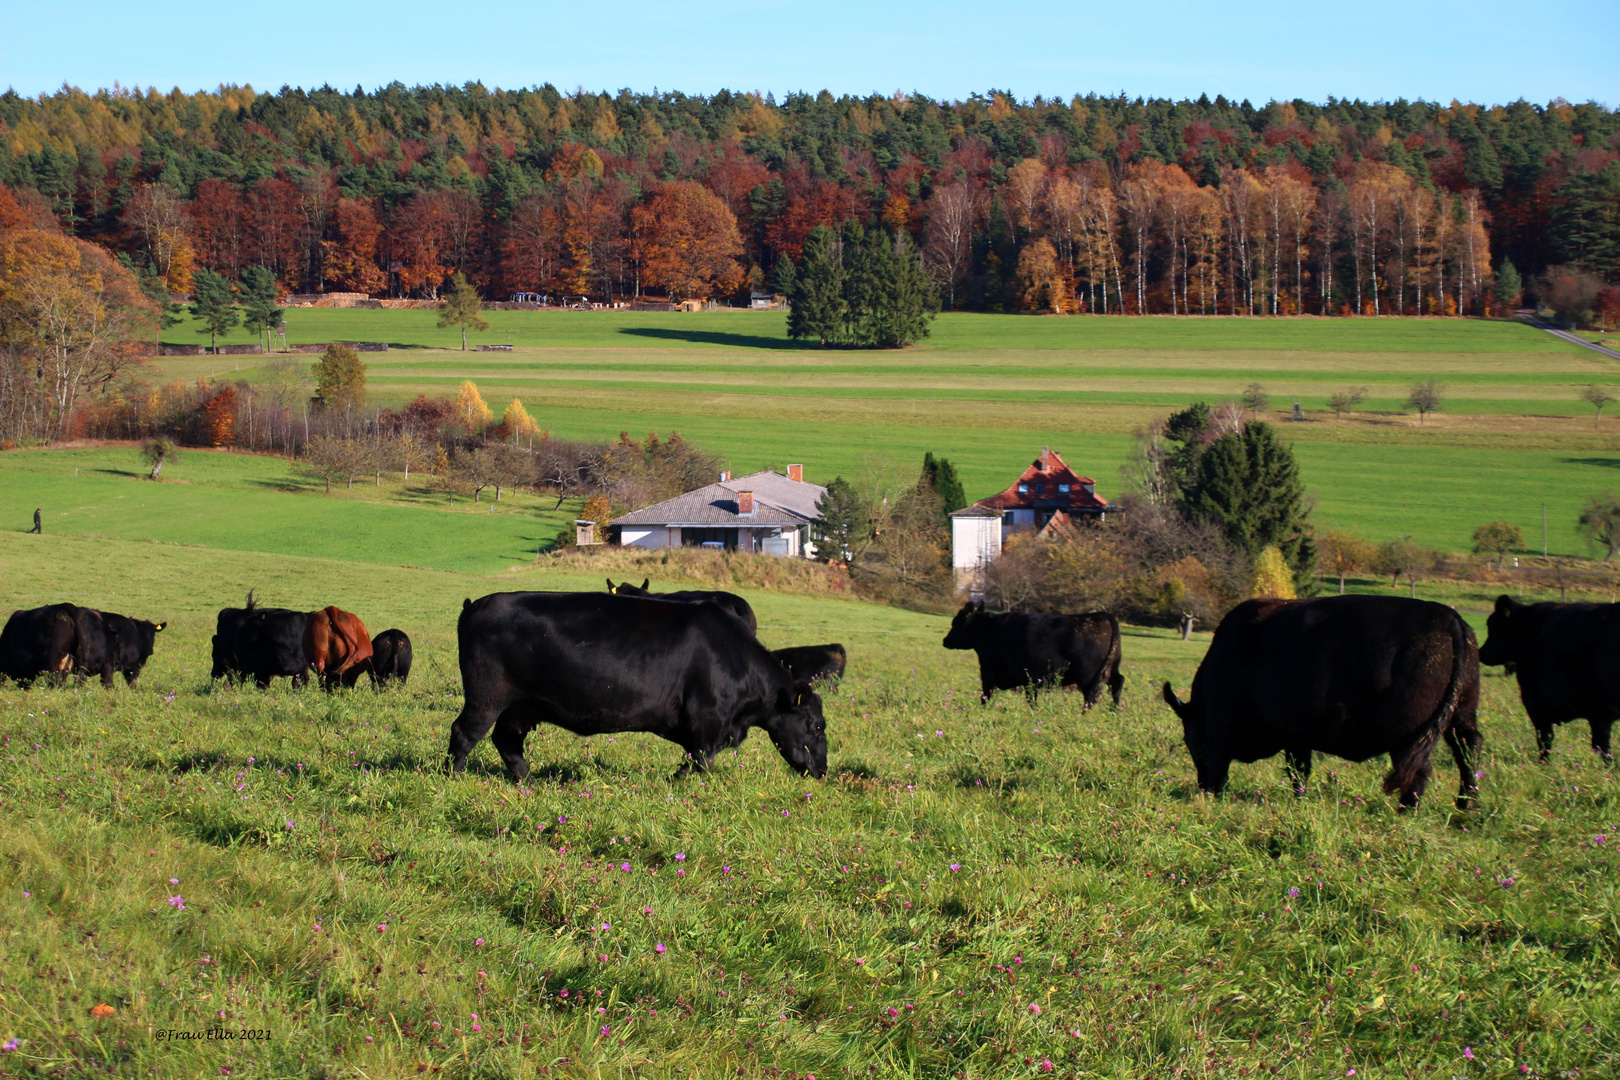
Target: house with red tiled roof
x: 1047, y: 490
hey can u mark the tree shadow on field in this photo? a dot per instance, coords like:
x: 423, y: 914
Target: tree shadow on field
x: 1599, y: 462
x: 719, y: 337
x: 120, y: 472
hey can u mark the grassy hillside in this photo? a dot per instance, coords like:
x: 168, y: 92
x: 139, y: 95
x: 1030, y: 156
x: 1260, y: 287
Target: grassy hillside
x: 975, y: 891
x: 988, y: 391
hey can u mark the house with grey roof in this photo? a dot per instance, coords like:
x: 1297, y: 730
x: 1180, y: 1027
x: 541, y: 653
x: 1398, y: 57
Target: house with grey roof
x: 764, y: 512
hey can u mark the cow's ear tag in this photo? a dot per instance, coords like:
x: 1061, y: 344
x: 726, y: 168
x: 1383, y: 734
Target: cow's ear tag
x: 159, y: 626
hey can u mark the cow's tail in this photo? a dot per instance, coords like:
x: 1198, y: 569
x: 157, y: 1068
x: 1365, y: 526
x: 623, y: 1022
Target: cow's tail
x: 1112, y: 666
x: 1404, y: 776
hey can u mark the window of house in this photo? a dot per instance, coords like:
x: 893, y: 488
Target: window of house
x: 1063, y: 489
x: 1040, y: 489
x: 1023, y: 489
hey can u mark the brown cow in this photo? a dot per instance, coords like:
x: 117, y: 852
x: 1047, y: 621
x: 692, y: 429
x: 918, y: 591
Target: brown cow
x: 337, y: 646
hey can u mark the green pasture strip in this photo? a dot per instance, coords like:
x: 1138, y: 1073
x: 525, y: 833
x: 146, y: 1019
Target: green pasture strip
x: 253, y: 502
x: 961, y: 864
x: 950, y: 332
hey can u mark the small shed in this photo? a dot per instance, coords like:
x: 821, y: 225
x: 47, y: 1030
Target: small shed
x: 585, y: 532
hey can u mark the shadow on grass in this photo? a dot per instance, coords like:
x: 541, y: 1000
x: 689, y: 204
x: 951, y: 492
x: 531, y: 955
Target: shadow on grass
x: 1600, y: 462
x: 717, y: 337
x: 121, y: 472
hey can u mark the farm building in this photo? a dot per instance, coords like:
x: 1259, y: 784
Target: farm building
x: 763, y: 512
x: 1049, y: 496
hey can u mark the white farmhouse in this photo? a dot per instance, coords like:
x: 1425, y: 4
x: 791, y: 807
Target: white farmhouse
x: 764, y: 512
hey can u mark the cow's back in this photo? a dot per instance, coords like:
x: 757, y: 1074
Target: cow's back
x: 37, y: 641
x: 1341, y: 674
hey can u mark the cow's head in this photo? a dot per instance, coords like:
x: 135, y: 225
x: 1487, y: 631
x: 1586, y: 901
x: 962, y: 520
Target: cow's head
x: 964, y: 626
x: 1501, y: 629
x: 624, y: 588
x: 1192, y: 729
x: 799, y: 730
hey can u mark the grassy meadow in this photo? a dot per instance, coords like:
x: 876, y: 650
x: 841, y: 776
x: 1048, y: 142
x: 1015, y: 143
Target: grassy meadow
x: 987, y: 391
x: 972, y: 892
x: 976, y: 891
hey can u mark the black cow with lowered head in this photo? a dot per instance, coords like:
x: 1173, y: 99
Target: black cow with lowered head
x: 390, y: 657
x: 1352, y: 676
x: 731, y: 602
x: 39, y: 642
x: 1029, y: 652
x: 807, y: 663
x: 1567, y: 659
x: 261, y: 642
x: 110, y: 644
x: 596, y: 665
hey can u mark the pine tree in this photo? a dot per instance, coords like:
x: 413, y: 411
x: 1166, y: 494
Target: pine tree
x: 213, y: 305
x: 1509, y: 286
x: 260, y: 312
x: 817, y: 301
x: 1248, y: 486
x: 845, y: 521
x: 940, y: 474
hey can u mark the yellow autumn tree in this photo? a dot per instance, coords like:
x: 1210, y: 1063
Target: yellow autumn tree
x: 518, y: 421
x: 470, y: 408
x: 1271, y: 576
x: 1042, y: 278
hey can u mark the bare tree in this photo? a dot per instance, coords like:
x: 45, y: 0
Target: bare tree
x: 1425, y: 398
x: 951, y: 214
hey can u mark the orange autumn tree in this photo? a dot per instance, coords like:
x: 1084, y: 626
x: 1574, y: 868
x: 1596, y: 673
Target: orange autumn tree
x: 691, y: 241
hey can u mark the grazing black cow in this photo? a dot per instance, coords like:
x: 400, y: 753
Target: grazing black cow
x: 1567, y: 659
x: 390, y: 657
x: 1352, y: 676
x: 109, y: 643
x: 730, y: 602
x: 807, y: 663
x: 597, y: 665
x: 1031, y: 651
x: 39, y: 641
x: 261, y: 642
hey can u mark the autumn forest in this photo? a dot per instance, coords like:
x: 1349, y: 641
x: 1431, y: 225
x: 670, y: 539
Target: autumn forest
x: 1096, y: 204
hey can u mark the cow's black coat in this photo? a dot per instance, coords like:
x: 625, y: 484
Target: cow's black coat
x: 1352, y: 676
x: 596, y: 664
x: 390, y: 657
x: 806, y: 663
x: 60, y: 638
x: 39, y: 642
x: 1029, y: 652
x: 110, y: 643
x: 1567, y: 659
x: 261, y: 642
x: 731, y: 602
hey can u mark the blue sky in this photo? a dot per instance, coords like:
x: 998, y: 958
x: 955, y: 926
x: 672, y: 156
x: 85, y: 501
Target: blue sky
x: 1488, y: 51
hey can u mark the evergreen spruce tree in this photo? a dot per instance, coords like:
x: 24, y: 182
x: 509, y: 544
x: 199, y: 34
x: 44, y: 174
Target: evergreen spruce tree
x: 259, y: 310
x: 1509, y: 286
x: 906, y: 298
x: 1248, y: 486
x: 817, y: 299
x: 213, y: 304
x: 845, y: 522
x: 940, y: 474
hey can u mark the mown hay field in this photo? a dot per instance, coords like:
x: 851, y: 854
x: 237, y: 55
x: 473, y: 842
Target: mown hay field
x: 988, y: 391
x: 973, y: 891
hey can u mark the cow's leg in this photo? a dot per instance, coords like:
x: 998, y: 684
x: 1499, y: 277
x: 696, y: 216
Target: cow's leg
x: 1465, y: 742
x: 1544, y: 741
x: 1116, y: 686
x: 508, y: 740
x: 262, y: 680
x: 698, y: 759
x: 130, y: 675
x: 1601, y: 737
x: 1298, y: 763
x: 470, y: 726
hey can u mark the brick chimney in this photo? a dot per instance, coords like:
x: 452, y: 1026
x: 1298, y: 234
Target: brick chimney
x: 745, y: 504
x: 796, y: 473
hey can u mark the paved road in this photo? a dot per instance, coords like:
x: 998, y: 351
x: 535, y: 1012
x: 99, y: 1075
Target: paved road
x: 1573, y: 339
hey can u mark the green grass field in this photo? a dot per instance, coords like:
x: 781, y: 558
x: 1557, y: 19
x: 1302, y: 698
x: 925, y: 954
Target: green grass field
x: 988, y: 391
x: 975, y: 892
